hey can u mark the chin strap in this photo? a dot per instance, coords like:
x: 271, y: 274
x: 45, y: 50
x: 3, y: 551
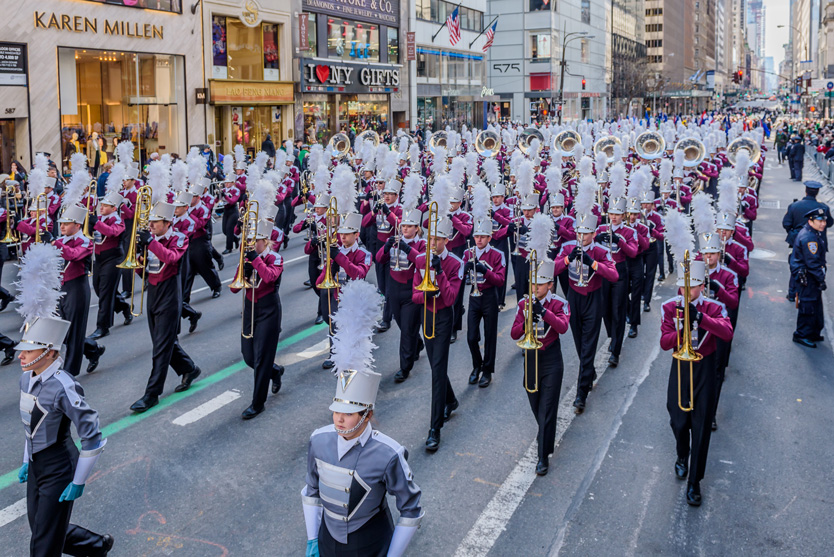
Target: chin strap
x: 344, y: 432
x: 38, y: 359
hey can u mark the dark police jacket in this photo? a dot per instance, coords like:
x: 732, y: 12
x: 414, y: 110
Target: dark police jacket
x: 794, y: 218
x: 808, y: 258
x: 796, y: 151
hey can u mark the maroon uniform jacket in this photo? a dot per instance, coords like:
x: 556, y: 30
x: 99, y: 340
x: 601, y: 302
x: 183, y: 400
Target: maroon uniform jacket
x: 268, y: 265
x: 164, y: 254
x: 714, y: 324
x: 110, y: 229
x: 494, y: 260
x: 554, y: 321
x: 407, y: 260
x: 626, y: 247
x: 76, y: 251
x: 353, y: 264
x: 448, y: 281
x: 606, y: 269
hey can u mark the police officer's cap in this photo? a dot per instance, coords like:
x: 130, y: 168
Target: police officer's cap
x: 815, y: 214
x: 812, y: 185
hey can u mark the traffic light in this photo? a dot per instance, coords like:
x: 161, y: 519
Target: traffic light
x: 583, y: 83
x: 735, y: 77
x: 740, y: 76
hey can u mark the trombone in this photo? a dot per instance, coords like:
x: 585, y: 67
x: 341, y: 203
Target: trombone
x: 141, y: 220
x: 529, y: 341
x: 429, y: 285
x: 91, y: 191
x: 11, y: 236
x: 328, y: 283
x: 473, y: 276
x: 685, y: 351
x: 248, y: 237
x: 38, y: 215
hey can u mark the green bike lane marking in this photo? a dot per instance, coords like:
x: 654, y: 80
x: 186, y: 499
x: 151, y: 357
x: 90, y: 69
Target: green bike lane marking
x: 10, y: 478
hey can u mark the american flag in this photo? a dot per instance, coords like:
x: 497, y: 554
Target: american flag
x: 490, y: 35
x: 453, y: 23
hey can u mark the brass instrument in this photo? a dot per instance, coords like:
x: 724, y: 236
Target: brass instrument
x: 428, y: 284
x: 330, y: 239
x: 487, y: 143
x: 141, y: 220
x: 529, y: 341
x: 606, y: 145
x: 396, y: 246
x: 694, y: 153
x: 38, y: 215
x: 248, y: 238
x: 747, y: 144
x: 650, y: 145
x: 339, y: 142
x: 685, y: 351
x: 367, y: 135
x: 438, y: 139
x: 11, y: 235
x: 91, y: 191
x: 517, y: 219
x: 398, y: 147
x: 566, y: 142
x: 473, y: 275
x: 526, y: 137
x: 582, y: 280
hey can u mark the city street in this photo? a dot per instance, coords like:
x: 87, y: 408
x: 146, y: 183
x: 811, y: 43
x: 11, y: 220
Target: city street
x: 190, y: 478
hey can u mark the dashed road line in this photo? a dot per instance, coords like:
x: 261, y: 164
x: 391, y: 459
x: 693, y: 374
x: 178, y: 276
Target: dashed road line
x: 207, y: 408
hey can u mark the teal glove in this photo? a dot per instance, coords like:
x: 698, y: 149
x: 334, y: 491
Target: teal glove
x: 23, y: 473
x: 72, y: 492
x: 312, y: 548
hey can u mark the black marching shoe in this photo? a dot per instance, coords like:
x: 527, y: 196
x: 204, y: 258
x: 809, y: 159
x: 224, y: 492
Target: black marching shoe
x: 99, y: 333
x: 215, y: 293
x: 194, y: 319
x: 646, y: 307
x: 9, y: 357
x: 220, y: 264
x: 448, y: 409
x: 433, y: 440
x: 613, y: 361
x: 145, y: 403
x: 681, y: 469
x: 307, y: 284
x: 632, y: 331
x: 693, y: 494
x: 579, y: 405
x: 473, y: 377
x: 128, y: 316
x: 187, y: 380
x: 383, y: 326
x: 91, y: 367
x: 401, y: 376
x: 818, y: 338
x: 107, y: 544
x: 454, y: 337
x: 277, y: 373
x: 486, y: 379
x: 804, y: 342
x: 328, y: 364
x: 542, y: 466
x: 714, y: 425
x: 226, y: 252
x: 251, y: 412
x: 319, y: 319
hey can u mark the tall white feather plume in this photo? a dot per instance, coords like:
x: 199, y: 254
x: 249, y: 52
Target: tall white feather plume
x: 665, y: 174
x: 343, y: 189
x: 41, y: 162
x: 314, y: 157
x: 39, y: 282
x: 636, y: 184
x: 438, y: 165
x: 124, y: 152
x: 228, y: 166
x: 158, y: 181
x: 585, y: 196
x: 491, y: 172
x: 535, y: 147
x: 600, y: 163
x: 255, y: 171
x: 678, y: 158
x: 541, y: 235
x: 678, y: 234
x: 37, y: 182
x: 78, y: 162
x: 553, y: 179
x: 288, y: 148
x: 265, y: 190
x: 586, y: 166
x: 240, y: 154
x: 457, y: 170
x: 515, y: 160
x: 617, y: 179
x: 742, y: 166
x: 703, y: 214
x: 321, y: 179
x: 414, y: 157
x: 380, y: 157
x: 480, y: 202
x: 179, y: 176
x: 471, y: 165
x: 360, y: 309
x: 524, y: 178
x: 196, y: 165
x: 115, y: 179
x: 412, y: 189
x: 728, y: 191
x: 442, y: 194
x: 390, y: 160
x: 280, y: 162
x: 77, y: 187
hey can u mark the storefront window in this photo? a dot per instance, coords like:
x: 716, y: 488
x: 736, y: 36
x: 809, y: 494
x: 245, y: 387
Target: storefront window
x: 271, y: 72
x: 426, y: 112
x: 245, y: 53
x: 218, y: 47
x: 251, y: 124
x: 540, y: 47
x: 110, y: 96
x: 393, y: 45
x: 428, y: 63
x: 318, y: 118
x: 351, y: 40
x: 364, y: 112
x: 312, y: 35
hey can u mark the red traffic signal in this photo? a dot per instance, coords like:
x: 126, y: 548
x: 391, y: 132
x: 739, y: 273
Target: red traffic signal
x: 583, y: 83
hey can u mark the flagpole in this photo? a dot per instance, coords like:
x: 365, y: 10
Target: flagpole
x: 484, y: 30
x: 445, y: 21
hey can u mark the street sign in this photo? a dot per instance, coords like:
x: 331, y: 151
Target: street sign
x: 830, y: 85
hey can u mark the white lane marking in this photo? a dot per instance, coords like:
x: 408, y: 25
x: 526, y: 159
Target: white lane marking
x: 12, y: 512
x: 316, y: 350
x: 500, y: 509
x: 207, y: 408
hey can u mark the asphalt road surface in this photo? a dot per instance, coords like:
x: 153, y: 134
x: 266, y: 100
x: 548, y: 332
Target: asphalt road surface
x: 190, y: 478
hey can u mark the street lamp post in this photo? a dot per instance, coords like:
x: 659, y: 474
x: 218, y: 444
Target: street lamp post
x: 565, y: 41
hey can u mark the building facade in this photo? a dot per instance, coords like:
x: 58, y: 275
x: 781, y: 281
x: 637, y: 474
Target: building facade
x: 81, y: 76
x: 629, y: 69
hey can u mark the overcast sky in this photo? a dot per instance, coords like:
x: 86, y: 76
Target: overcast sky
x: 778, y: 13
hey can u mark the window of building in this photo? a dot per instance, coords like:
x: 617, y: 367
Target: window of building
x: 540, y: 81
x: 393, y: 45
x: 161, y: 5
x: 585, y: 6
x: 312, y: 36
x: 654, y: 11
x: 428, y: 64
x: 436, y: 11
x: 218, y: 47
x: 540, y: 47
x: 584, y: 48
x: 542, y: 5
x: 654, y: 28
x: 654, y: 43
x: 248, y: 53
x: 654, y: 59
x: 271, y: 58
x: 352, y: 40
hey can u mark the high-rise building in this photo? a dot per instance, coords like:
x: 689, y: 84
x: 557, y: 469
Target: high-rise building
x: 629, y: 68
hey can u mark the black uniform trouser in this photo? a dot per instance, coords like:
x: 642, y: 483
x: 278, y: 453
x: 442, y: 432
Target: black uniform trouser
x: 615, y: 300
x: 564, y: 281
x: 635, y: 288
x: 521, y: 269
x: 185, y: 291
x: 74, y: 307
x: 370, y: 540
x: 210, y: 233
x: 382, y: 279
x: 230, y: 216
x: 545, y: 401
x: 437, y: 349
x: 106, y: 284
x: 199, y: 263
x: 665, y: 258
x: 483, y: 307
x: 290, y: 212
x: 407, y: 315
x: 504, y: 246
x: 259, y: 351
x: 650, y: 260
x: 124, y: 241
x: 328, y: 305
x: 164, y: 308
x: 692, y: 429
x: 459, y: 311
x: 585, y: 323
x: 313, y: 271
x: 796, y: 169
x: 810, y: 319
x: 50, y: 472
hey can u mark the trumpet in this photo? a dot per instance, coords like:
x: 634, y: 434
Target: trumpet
x: 141, y: 220
x: 91, y: 191
x: 11, y: 236
x: 685, y: 351
x: 429, y: 285
x: 530, y: 341
x: 582, y: 280
x: 248, y: 238
x: 396, y: 246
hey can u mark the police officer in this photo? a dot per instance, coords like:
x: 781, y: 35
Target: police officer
x: 794, y: 220
x: 808, y: 271
x: 796, y: 157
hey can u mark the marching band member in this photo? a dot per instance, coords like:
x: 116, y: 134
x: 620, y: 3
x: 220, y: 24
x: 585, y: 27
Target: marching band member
x: 350, y: 466
x: 461, y: 231
x: 232, y: 194
x: 259, y: 342
x: 656, y: 242
x: 315, y: 224
x: 165, y: 249
x: 529, y: 207
x: 199, y: 244
x: 551, y: 318
x: 384, y: 219
x: 124, y: 154
x: 636, y: 265
x: 186, y: 226
x: 502, y: 219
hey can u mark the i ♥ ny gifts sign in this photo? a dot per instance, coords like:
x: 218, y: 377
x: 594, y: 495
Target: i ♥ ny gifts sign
x: 349, y: 78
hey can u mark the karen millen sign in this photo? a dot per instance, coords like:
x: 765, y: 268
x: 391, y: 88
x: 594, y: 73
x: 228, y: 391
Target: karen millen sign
x: 83, y: 24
